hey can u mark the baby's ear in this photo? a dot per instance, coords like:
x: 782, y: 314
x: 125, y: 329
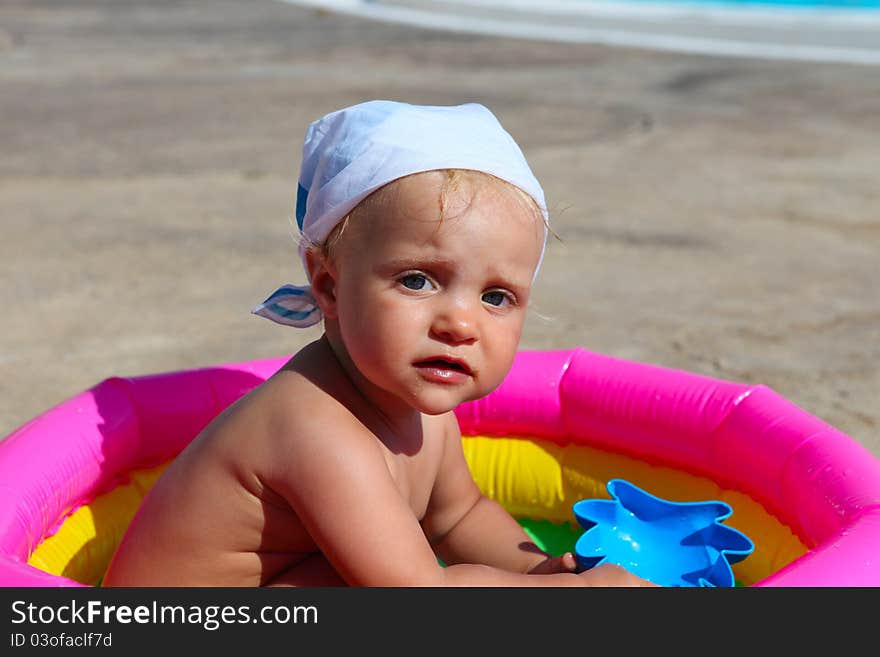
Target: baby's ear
x: 322, y: 275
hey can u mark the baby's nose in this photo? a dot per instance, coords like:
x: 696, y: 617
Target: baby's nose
x: 455, y: 323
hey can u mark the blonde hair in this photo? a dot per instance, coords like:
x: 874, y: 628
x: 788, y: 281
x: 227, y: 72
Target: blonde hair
x: 454, y: 181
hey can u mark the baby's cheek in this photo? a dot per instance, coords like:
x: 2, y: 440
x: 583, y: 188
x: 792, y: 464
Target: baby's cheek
x: 401, y: 319
x: 383, y: 335
x: 501, y: 348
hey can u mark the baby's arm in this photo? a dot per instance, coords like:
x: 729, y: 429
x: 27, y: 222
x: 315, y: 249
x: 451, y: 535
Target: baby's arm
x: 468, y: 528
x: 339, y: 484
x: 335, y: 477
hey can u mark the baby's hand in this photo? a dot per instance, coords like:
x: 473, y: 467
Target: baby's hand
x: 609, y: 574
x: 564, y: 564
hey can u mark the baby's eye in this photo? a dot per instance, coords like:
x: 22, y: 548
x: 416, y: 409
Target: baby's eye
x: 495, y: 298
x: 415, y: 282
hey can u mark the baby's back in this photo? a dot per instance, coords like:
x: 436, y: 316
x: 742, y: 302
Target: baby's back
x: 212, y: 518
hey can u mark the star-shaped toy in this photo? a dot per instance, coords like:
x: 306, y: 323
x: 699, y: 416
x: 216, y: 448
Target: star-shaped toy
x: 668, y: 543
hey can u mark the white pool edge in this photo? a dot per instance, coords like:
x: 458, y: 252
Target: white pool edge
x: 659, y: 40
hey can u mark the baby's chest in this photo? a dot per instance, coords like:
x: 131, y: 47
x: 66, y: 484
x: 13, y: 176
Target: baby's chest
x: 414, y: 478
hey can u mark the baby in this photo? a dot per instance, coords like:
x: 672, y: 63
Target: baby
x: 422, y: 231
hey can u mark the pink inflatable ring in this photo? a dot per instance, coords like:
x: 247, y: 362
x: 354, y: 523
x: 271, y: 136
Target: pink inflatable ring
x: 805, y: 493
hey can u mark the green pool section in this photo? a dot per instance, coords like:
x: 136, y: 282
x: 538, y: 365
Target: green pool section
x: 557, y: 538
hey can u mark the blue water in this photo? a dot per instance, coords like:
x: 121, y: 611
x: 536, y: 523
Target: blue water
x: 842, y: 5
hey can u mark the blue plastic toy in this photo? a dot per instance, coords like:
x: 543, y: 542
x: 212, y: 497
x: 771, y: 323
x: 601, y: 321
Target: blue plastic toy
x: 668, y: 543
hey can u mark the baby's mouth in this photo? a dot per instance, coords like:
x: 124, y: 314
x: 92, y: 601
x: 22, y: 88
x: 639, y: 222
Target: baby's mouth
x: 444, y: 364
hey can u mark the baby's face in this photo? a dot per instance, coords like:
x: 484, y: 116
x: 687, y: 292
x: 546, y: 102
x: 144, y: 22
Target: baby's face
x: 429, y: 310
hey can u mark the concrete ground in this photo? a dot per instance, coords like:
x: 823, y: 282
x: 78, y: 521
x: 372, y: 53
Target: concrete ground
x: 717, y: 215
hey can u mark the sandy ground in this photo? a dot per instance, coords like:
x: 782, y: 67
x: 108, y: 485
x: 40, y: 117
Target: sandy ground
x: 716, y: 215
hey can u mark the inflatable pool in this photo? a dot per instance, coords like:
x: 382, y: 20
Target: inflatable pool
x: 561, y: 426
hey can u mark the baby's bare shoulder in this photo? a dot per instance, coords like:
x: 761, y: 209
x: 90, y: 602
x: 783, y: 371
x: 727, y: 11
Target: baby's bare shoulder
x: 293, y: 404
x: 288, y: 417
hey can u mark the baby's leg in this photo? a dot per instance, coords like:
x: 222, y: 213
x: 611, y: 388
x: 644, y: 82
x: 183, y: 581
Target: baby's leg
x: 314, y: 570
